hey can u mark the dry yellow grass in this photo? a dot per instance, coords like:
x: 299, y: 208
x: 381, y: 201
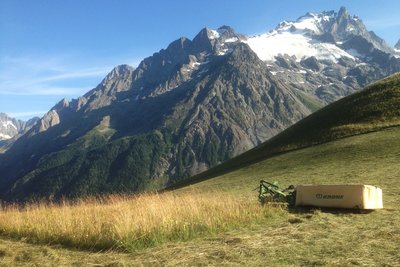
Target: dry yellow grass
x: 298, y: 237
x: 130, y: 223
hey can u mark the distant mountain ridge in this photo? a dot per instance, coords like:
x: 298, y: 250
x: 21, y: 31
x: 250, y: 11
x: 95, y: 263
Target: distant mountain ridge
x: 326, y: 54
x: 332, y: 29
x: 10, y: 127
x: 397, y: 45
x: 191, y: 106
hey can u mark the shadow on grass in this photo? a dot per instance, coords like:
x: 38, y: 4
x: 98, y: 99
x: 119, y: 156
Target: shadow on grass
x: 310, y: 210
x: 93, y: 248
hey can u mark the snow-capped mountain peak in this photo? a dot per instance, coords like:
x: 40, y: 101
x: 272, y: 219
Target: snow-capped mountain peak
x: 397, y: 48
x: 321, y: 35
x: 8, y: 124
x: 397, y: 45
x: 213, y: 34
x: 10, y: 127
x: 217, y: 41
x: 313, y: 23
x: 7, y: 127
x: 268, y: 46
x: 298, y: 39
x: 222, y: 33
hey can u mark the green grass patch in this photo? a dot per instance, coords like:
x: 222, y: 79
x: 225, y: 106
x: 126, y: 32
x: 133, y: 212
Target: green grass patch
x: 369, y: 110
x: 314, y: 237
x: 227, y: 236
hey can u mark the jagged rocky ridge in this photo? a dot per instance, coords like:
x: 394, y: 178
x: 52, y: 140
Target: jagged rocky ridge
x: 328, y: 55
x: 397, y: 47
x: 191, y: 106
x: 11, y: 129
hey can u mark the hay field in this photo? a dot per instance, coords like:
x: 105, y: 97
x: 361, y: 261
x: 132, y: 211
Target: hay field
x: 219, y: 222
x: 129, y: 223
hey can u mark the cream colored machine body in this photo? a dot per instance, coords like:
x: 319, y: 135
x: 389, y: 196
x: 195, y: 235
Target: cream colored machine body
x: 339, y: 196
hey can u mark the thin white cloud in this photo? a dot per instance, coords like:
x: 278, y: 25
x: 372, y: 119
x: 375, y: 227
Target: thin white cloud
x: 24, y: 76
x: 95, y: 72
x: 51, y: 84
x: 39, y: 88
x: 51, y: 75
x: 43, y: 90
x: 54, y: 75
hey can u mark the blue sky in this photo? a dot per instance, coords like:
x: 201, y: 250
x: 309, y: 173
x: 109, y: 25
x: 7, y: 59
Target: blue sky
x: 51, y: 49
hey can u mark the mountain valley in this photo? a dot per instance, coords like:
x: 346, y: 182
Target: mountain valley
x: 191, y: 106
x: 218, y: 220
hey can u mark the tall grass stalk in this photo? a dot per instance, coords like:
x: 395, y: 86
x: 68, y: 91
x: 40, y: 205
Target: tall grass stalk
x: 130, y: 223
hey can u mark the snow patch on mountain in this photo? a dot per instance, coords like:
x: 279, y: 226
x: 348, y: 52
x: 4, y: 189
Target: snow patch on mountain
x: 10, y: 127
x: 355, y: 53
x: 4, y: 136
x: 307, y: 23
x: 397, y: 51
x: 7, y: 128
x: 310, y: 23
x: 300, y: 39
x: 275, y: 43
x: 213, y: 34
x: 224, y: 51
x: 7, y: 124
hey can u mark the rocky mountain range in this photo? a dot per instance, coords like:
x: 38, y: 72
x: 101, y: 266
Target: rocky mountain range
x: 11, y: 129
x: 193, y: 105
x: 328, y: 55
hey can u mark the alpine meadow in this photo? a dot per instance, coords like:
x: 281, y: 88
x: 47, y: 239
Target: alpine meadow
x: 159, y: 164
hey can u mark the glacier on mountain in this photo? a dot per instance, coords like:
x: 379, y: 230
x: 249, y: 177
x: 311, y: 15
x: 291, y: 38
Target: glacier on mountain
x: 299, y: 39
x: 268, y: 46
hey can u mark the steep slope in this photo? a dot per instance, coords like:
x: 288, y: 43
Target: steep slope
x: 11, y: 129
x: 131, y: 141
x: 372, y: 109
x: 189, y: 107
x: 369, y: 158
x: 8, y: 127
x: 397, y: 48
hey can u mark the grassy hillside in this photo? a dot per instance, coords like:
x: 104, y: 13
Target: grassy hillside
x: 337, y: 238
x: 372, y: 109
x: 219, y: 221
x: 251, y: 236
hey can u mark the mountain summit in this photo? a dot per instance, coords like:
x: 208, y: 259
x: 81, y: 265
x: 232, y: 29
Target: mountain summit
x: 397, y: 46
x: 11, y: 129
x: 191, y: 106
x: 8, y: 127
x: 329, y: 54
x: 326, y: 35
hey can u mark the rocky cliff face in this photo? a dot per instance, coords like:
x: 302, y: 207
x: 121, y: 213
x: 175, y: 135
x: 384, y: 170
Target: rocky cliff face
x: 397, y: 45
x: 193, y: 105
x: 10, y: 127
x: 327, y: 55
